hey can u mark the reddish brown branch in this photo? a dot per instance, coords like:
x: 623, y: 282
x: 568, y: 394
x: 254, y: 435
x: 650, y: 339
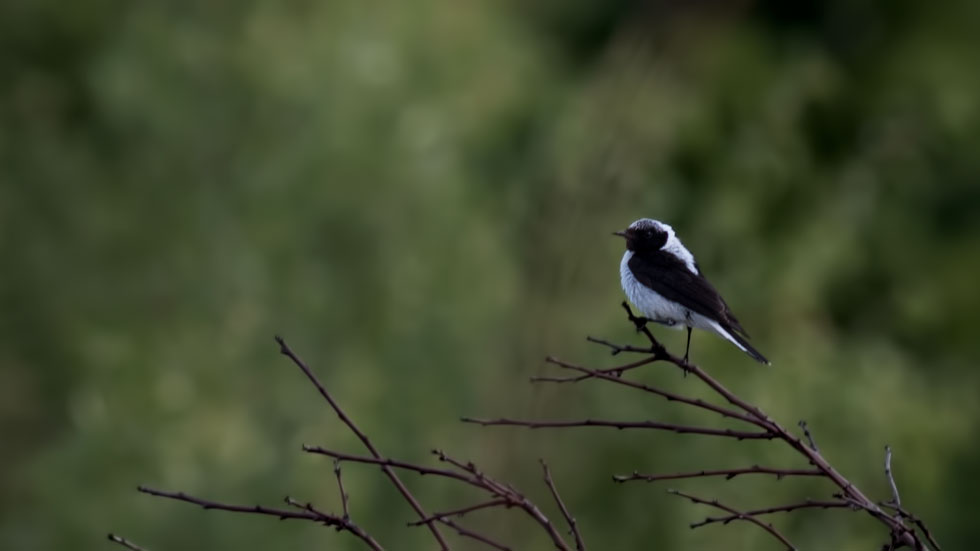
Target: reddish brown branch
x: 507, y: 491
x: 618, y: 348
x: 670, y: 396
x: 420, y: 469
x: 902, y: 525
x: 727, y: 473
x: 809, y: 437
x: 590, y: 373
x: 402, y: 489
x: 282, y: 514
x: 340, y: 487
x: 462, y: 511
x: 896, y: 526
x: 503, y: 495
x: 467, y: 533
x: 901, y: 534
x: 680, y: 429
x: 125, y: 543
x: 572, y: 525
x: 304, y: 512
x: 737, y: 516
x: 917, y: 522
x: 808, y: 504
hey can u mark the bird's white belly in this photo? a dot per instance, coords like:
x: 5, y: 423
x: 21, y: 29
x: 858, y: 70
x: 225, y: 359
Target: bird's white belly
x: 651, y: 304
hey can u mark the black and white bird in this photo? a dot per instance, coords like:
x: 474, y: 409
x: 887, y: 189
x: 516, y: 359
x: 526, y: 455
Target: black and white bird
x: 661, y: 278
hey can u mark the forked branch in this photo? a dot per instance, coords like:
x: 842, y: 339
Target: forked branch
x: 904, y: 529
x: 301, y: 511
x: 735, y: 515
x: 500, y: 495
x: 572, y: 525
x: 727, y: 473
x: 286, y: 351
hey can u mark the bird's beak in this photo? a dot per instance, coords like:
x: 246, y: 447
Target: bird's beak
x: 619, y: 233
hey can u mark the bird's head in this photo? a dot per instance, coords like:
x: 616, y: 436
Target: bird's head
x: 646, y: 235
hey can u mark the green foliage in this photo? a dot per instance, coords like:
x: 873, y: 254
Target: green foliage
x: 419, y: 197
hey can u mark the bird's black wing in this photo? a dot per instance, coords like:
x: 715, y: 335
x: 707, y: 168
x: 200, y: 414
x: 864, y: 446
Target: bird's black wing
x: 669, y: 276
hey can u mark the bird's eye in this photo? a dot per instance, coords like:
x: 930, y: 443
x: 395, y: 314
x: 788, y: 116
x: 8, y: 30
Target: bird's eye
x: 648, y: 234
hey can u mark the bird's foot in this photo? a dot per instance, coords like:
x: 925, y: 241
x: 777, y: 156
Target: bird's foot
x: 639, y: 321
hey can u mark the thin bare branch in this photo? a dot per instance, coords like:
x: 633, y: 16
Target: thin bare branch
x: 925, y: 530
x: 738, y: 516
x: 476, y: 536
x: 340, y: 487
x: 850, y: 492
x: 618, y: 348
x: 304, y: 512
x: 402, y: 489
x: 281, y: 514
x: 590, y: 373
x: 670, y: 396
x: 896, y: 499
x: 572, y: 525
x: 905, y: 530
x: 808, y: 504
x: 727, y: 473
x: 420, y: 469
x: 917, y: 521
x: 680, y: 429
x: 462, y: 511
x: 485, y: 484
x: 511, y: 494
x: 125, y: 543
x: 809, y: 437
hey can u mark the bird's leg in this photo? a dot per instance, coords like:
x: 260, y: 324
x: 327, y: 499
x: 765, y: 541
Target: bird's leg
x: 687, y: 350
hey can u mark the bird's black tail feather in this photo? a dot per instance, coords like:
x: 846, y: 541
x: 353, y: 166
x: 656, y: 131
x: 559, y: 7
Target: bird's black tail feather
x: 756, y: 355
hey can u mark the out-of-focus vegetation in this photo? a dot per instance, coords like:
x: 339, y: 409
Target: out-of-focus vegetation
x: 419, y: 196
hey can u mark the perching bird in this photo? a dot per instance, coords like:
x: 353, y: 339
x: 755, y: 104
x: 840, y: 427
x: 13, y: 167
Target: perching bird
x: 661, y: 278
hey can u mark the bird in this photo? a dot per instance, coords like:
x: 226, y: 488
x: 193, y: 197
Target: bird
x: 662, y: 279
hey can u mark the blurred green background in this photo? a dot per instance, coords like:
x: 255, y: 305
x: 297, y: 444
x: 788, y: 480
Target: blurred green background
x: 419, y: 197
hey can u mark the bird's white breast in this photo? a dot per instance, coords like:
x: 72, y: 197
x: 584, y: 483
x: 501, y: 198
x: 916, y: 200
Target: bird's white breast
x: 650, y: 303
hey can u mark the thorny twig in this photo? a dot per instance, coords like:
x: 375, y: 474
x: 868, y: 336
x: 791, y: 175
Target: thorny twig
x: 809, y: 437
x: 286, y: 351
x: 680, y: 429
x: 508, y: 492
x: 901, y: 534
x: 917, y: 521
x: 905, y: 530
x: 806, y: 504
x: 736, y: 515
x: 340, y: 488
x: 572, y: 525
x: 501, y: 495
x: 461, y: 511
x: 304, y: 512
x: 727, y: 473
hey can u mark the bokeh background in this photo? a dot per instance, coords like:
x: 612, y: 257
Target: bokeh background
x: 419, y: 196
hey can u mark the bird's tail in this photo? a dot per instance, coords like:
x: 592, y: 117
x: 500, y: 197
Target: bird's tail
x: 742, y: 343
